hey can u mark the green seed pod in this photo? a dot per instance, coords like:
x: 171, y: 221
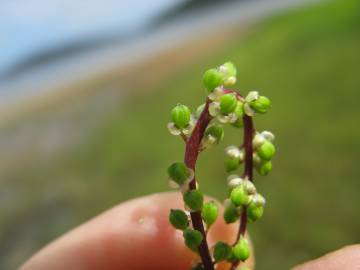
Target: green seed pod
x: 209, y: 213
x: 212, y: 79
x: 193, y: 239
x: 222, y: 251
x: 261, y: 104
x: 266, y: 151
x: 230, y: 213
x: 178, y: 219
x: 239, y: 196
x: 180, y: 116
x: 216, y: 131
x: 239, y: 112
x: 178, y: 172
x: 231, y: 164
x: 228, y: 103
x: 264, y: 168
x: 241, y: 251
x: 254, y: 212
x: 194, y: 199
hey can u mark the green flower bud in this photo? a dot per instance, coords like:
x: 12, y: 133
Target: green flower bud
x: 239, y: 112
x: 212, y: 79
x: 228, y: 103
x: 239, y: 196
x: 178, y: 219
x: 261, y: 104
x: 231, y: 164
x: 266, y: 151
x: 193, y: 239
x: 264, y: 168
x: 194, y: 199
x: 216, y: 132
x: 178, y: 172
x: 254, y: 212
x: 222, y: 251
x: 209, y: 213
x: 241, y: 251
x: 231, y: 214
x: 180, y: 116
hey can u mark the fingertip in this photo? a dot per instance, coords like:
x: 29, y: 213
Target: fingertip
x: 345, y: 258
x: 133, y: 235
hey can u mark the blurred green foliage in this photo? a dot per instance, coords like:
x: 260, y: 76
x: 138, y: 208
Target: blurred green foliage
x: 307, y: 62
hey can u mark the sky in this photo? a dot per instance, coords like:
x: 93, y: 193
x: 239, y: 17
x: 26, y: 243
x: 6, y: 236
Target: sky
x: 29, y: 26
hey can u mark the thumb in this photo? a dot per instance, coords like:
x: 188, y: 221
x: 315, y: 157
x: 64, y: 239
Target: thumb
x: 133, y: 235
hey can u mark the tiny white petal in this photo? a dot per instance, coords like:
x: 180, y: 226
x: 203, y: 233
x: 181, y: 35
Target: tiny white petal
x: 258, y: 140
x: 249, y: 187
x: 224, y: 119
x: 235, y: 182
x: 232, y: 117
x: 223, y: 69
x: 173, y: 129
x: 188, y: 129
x: 268, y: 135
x: 248, y: 110
x: 209, y: 141
x: 216, y: 94
x: 258, y: 200
x: 230, y: 81
x: 253, y: 95
x: 214, y: 108
x: 233, y: 151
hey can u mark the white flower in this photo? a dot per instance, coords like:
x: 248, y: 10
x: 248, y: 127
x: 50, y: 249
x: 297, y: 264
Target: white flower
x: 248, y: 110
x: 251, y: 96
x: 258, y: 140
x: 216, y: 94
x: 268, y: 135
x: 173, y: 129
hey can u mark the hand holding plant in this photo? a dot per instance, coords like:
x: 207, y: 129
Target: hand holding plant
x: 203, y: 130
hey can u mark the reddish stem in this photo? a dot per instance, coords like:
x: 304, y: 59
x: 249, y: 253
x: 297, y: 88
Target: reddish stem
x: 193, y: 148
x: 191, y: 154
x: 248, y: 173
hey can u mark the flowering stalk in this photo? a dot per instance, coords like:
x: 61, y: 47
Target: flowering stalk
x: 202, y: 131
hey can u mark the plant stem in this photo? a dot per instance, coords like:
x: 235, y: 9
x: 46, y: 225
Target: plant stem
x: 191, y: 154
x: 248, y: 173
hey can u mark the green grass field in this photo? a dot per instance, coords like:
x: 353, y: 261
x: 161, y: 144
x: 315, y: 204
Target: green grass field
x: 306, y: 61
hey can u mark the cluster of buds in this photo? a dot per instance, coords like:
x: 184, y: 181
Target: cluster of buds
x: 223, y: 107
x: 264, y: 151
x: 182, y: 121
x: 243, y: 196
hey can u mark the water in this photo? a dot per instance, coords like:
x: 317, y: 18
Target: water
x: 28, y: 27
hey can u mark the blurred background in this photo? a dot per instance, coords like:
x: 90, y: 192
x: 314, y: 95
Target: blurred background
x: 86, y: 88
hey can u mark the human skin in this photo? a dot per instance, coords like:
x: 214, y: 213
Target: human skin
x: 137, y: 235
